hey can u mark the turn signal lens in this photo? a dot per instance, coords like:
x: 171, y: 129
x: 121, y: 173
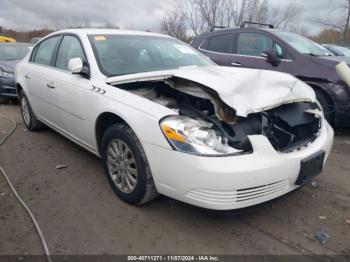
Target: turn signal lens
x: 172, y: 135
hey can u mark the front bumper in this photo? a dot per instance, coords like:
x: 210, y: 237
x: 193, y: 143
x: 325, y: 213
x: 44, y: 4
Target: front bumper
x: 8, y: 87
x: 225, y: 183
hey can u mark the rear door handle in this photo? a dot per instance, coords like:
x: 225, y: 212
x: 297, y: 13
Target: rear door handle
x: 236, y: 64
x: 27, y: 76
x: 50, y: 85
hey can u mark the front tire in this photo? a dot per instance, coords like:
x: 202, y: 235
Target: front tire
x: 126, y: 165
x: 29, y: 119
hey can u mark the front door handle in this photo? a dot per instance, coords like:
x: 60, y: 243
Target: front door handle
x: 236, y: 64
x: 27, y: 76
x: 50, y: 85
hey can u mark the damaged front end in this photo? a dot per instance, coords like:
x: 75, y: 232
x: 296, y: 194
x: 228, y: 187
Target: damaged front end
x: 205, y: 125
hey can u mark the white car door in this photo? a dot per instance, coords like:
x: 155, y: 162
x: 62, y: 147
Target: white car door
x: 68, y: 91
x: 36, y: 76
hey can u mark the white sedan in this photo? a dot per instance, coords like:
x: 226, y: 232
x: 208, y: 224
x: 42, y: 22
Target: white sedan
x: 166, y: 120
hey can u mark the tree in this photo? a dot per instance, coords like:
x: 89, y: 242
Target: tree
x: 226, y: 13
x: 282, y: 17
x: 330, y: 36
x: 204, y: 15
x: 192, y: 14
x: 257, y: 11
x: 174, y: 25
x: 209, y: 12
x: 339, y: 18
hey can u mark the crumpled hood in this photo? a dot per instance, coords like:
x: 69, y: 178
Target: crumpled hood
x: 8, y: 65
x: 245, y: 90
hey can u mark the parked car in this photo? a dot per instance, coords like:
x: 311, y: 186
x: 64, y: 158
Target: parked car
x: 337, y: 50
x: 10, y: 55
x: 284, y: 52
x: 165, y: 119
x: 7, y: 39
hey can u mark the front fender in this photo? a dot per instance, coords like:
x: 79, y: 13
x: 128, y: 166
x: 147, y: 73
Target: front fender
x: 140, y: 114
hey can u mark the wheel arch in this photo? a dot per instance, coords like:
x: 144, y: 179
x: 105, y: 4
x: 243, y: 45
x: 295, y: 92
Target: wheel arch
x: 18, y: 88
x: 326, y: 94
x: 103, y: 122
x: 323, y: 90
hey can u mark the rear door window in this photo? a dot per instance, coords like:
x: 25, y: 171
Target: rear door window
x: 44, y: 52
x: 219, y: 43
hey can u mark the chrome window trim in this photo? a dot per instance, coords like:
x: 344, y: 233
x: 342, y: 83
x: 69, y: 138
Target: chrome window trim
x: 54, y: 67
x: 34, y: 50
x: 200, y: 48
x: 81, y: 45
x: 260, y: 57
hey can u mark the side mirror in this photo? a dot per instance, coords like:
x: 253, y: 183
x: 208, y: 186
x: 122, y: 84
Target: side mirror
x: 77, y: 66
x: 271, y: 57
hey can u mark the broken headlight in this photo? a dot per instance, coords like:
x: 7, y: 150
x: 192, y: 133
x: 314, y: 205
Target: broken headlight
x: 195, y: 136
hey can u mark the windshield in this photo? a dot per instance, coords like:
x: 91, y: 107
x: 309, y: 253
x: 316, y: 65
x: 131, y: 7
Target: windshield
x: 13, y: 52
x: 130, y: 54
x: 303, y: 45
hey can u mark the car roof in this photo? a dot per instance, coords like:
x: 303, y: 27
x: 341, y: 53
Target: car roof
x: 96, y: 31
x: 245, y: 29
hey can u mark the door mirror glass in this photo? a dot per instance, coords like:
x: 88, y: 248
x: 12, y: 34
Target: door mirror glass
x: 75, y: 65
x: 271, y: 57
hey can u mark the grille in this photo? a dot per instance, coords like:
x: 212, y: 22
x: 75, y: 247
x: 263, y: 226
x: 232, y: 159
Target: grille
x: 261, y: 191
x: 240, y: 195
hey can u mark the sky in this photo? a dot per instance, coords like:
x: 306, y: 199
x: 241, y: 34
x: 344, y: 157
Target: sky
x: 138, y: 14
x: 313, y: 8
x: 130, y: 14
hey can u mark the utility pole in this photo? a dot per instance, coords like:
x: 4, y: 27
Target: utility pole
x: 346, y: 29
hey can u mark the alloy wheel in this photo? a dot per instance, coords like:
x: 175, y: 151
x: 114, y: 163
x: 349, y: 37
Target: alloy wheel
x: 122, y: 166
x: 25, y: 111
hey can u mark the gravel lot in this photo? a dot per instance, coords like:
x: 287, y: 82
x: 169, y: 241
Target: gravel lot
x: 79, y: 213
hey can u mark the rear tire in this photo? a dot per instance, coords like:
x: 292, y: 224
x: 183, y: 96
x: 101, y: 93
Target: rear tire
x: 3, y: 100
x: 126, y: 165
x: 29, y: 119
x: 327, y: 106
